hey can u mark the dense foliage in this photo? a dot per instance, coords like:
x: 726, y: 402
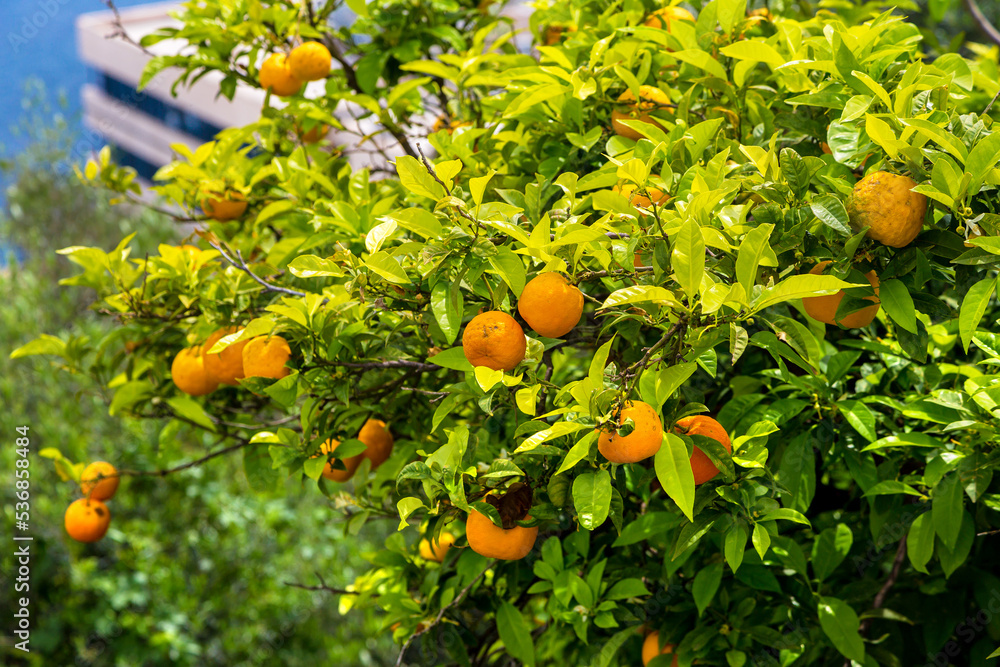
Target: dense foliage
x: 855, y: 517
x: 193, y: 570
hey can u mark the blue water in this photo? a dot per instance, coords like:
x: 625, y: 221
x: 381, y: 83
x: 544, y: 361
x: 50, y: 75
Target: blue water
x: 37, y: 39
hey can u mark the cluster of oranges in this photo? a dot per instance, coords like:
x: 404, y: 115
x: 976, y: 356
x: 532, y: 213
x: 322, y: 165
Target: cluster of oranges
x: 196, y: 371
x: 87, y: 519
x: 376, y: 438
x: 894, y: 214
x: 550, y: 306
x: 284, y: 75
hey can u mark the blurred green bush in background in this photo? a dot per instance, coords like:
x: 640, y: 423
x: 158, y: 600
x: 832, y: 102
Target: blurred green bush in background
x: 194, y: 567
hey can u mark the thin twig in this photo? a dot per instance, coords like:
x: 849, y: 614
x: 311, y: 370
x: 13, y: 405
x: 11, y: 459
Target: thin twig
x: 191, y: 464
x: 897, y: 565
x: 322, y: 587
x: 242, y: 266
x: 983, y: 22
x: 437, y: 619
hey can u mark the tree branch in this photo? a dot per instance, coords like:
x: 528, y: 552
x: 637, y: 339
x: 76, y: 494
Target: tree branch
x: 242, y: 266
x: 983, y: 22
x: 191, y: 464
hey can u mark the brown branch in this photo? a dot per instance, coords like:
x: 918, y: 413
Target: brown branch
x: 242, y: 266
x: 897, y: 565
x: 392, y: 363
x: 983, y: 22
x: 120, y: 31
x: 191, y: 464
x: 322, y: 587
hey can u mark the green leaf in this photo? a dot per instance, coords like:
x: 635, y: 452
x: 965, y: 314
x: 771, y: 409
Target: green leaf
x: 736, y: 544
x: 417, y: 220
x: 447, y: 305
x: 406, y: 507
x: 639, y: 293
x: 799, y: 286
x: 388, y: 267
x: 840, y: 623
x: 453, y: 358
x: 311, y: 266
x: 477, y: 186
x: 44, y: 344
x: 830, y: 549
x: 626, y: 588
x: 706, y: 583
x: 892, y: 487
x: 973, y: 307
x: 515, y: 633
x: 905, y: 440
x: 920, y: 542
x: 673, y: 469
x: 688, y: 259
x: 510, y: 267
x: 413, y: 176
x: 947, y: 509
x: 607, y: 653
x: 860, y: 417
x: 192, y: 410
x: 597, y: 364
x: 592, y: 498
x: 831, y: 212
x: 761, y: 539
x: 730, y: 12
x: 898, y: 304
x: 952, y: 559
x: 983, y: 158
x: 701, y: 60
x: 753, y: 248
x: 795, y: 172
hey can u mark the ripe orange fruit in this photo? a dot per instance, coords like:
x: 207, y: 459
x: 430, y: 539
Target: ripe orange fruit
x: 662, y: 18
x: 554, y: 33
x: 189, y: 374
x: 650, y: 98
x: 351, y: 463
x: 225, y: 367
x: 265, y: 357
x: 378, y: 440
x: 627, y: 190
x: 310, y: 61
x: 442, y: 123
x: 87, y: 520
x: 701, y: 465
x: 224, y: 209
x: 99, y: 480
x: 651, y: 649
x: 276, y: 76
x: 437, y: 551
x: 887, y: 204
x: 550, y: 305
x: 644, y: 440
x: 825, y: 147
x: 492, y: 541
x: 318, y: 131
x: 495, y: 340
x: 638, y: 260
x: 824, y: 308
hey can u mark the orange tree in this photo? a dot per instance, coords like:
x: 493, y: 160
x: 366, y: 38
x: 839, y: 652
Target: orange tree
x: 652, y: 238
